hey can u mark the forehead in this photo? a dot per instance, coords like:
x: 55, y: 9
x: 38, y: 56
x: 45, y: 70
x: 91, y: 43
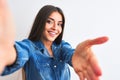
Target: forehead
x: 56, y: 16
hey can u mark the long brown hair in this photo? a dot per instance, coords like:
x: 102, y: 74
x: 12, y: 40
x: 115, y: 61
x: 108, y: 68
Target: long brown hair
x: 40, y: 20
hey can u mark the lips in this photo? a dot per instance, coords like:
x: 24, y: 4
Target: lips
x: 52, y: 34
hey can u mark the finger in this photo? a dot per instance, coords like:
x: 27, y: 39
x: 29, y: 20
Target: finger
x: 95, y: 66
x: 80, y: 74
x: 91, y: 74
x: 88, y: 43
x: 86, y: 75
x: 98, y: 40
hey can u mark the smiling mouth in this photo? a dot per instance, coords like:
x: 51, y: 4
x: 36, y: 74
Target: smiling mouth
x: 53, y: 34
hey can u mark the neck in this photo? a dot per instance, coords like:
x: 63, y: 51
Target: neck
x: 48, y: 46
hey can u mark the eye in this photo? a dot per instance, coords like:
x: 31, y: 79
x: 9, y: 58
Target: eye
x: 60, y: 24
x: 49, y: 21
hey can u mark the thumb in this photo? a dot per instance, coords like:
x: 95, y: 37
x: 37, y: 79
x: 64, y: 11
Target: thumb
x: 98, y: 40
x: 91, y: 42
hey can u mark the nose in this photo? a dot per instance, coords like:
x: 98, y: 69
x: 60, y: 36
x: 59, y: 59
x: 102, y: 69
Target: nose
x: 55, y: 26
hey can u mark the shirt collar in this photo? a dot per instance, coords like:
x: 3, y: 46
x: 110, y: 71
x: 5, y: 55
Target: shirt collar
x: 39, y: 45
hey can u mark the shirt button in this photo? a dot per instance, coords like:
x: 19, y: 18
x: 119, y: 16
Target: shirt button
x: 55, y: 66
x: 60, y: 60
x: 47, y: 64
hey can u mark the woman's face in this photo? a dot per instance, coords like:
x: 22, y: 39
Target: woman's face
x: 53, y: 27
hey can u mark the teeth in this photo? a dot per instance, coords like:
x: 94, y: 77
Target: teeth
x: 52, y: 33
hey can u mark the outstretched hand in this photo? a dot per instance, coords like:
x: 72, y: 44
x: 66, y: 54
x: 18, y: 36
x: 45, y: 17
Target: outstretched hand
x: 7, y: 34
x: 84, y: 61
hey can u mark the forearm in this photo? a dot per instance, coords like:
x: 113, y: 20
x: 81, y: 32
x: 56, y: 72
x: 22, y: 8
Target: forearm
x: 7, y: 56
x: 11, y: 57
x: 7, y: 36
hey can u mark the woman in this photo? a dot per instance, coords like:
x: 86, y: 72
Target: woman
x: 44, y: 55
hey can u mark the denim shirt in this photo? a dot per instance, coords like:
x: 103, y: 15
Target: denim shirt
x: 38, y: 64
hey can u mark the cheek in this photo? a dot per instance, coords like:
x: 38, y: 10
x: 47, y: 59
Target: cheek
x: 60, y: 29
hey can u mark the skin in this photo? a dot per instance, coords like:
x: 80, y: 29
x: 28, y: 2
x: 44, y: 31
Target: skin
x: 52, y: 30
x: 7, y: 35
x: 84, y: 61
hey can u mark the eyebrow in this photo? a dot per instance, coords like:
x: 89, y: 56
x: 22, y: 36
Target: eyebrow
x: 53, y: 19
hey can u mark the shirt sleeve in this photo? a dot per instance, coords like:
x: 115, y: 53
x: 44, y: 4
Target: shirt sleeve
x: 23, y: 50
x: 67, y: 52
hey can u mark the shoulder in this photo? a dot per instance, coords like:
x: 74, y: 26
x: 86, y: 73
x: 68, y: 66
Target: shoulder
x: 65, y: 44
x: 26, y: 44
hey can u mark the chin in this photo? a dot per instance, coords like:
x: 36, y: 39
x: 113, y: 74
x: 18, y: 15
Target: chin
x: 51, y: 39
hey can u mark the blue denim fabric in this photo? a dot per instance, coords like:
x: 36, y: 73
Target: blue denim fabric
x: 37, y: 63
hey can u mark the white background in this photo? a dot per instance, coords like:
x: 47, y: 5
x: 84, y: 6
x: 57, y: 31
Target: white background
x: 85, y: 19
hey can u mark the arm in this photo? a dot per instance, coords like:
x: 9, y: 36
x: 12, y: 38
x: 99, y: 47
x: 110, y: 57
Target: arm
x: 7, y: 34
x: 67, y: 52
x: 84, y: 61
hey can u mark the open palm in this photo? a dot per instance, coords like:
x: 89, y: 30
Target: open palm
x: 84, y: 61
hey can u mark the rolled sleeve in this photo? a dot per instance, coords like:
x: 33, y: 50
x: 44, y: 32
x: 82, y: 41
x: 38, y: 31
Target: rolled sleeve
x: 67, y: 52
x: 23, y: 50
